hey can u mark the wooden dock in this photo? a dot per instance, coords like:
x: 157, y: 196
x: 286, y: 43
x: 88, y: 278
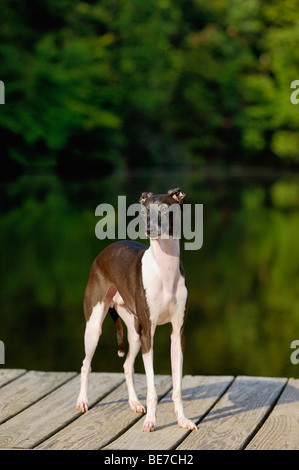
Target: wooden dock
x: 37, y: 411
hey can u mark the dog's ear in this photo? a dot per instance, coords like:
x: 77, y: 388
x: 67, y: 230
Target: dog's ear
x: 177, y: 194
x: 144, y: 197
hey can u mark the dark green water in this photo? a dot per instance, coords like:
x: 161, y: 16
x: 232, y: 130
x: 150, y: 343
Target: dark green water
x: 243, y: 282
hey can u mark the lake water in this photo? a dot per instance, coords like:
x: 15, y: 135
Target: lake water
x: 243, y: 283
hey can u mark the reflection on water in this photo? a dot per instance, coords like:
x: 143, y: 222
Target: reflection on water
x: 243, y: 283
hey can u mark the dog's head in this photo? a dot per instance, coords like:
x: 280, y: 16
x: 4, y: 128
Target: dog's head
x: 160, y: 212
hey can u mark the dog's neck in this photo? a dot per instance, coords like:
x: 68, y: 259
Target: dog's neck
x: 165, y: 247
x: 166, y: 254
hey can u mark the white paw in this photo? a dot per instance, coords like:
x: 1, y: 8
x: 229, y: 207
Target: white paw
x: 82, y: 405
x: 186, y: 424
x: 136, y: 406
x: 149, y: 426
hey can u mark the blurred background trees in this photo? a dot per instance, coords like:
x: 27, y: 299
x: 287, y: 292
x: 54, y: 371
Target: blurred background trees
x: 137, y: 83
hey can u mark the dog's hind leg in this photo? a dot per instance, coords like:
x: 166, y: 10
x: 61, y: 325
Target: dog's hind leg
x: 93, y: 332
x: 134, y: 346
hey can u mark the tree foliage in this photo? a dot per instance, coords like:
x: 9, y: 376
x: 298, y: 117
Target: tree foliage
x: 145, y: 83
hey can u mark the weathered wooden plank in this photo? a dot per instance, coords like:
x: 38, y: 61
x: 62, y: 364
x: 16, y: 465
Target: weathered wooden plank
x: 50, y: 414
x: 27, y: 389
x: 199, y: 394
x: 106, y: 420
x: 237, y: 415
x: 281, y: 429
x: 7, y: 375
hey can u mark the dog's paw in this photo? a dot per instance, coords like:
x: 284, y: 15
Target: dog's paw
x: 137, y: 407
x: 149, y: 426
x: 186, y: 424
x: 82, y: 405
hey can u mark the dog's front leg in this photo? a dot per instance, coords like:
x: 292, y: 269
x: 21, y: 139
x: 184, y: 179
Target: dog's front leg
x: 177, y: 369
x: 151, y: 401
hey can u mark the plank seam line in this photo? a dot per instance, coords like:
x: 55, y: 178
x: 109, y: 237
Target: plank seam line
x: 71, y: 420
x: 124, y: 430
x: 205, y: 414
x: 13, y: 379
x: 104, y: 396
x: 262, y: 422
x: 38, y: 399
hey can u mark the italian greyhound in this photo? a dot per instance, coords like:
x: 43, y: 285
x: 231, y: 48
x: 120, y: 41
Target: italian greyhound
x: 145, y: 287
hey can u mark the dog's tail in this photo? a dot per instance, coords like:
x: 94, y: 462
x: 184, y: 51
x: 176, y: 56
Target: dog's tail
x: 119, y: 332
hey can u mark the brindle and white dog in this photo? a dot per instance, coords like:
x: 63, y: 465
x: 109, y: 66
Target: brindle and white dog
x: 146, y: 287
